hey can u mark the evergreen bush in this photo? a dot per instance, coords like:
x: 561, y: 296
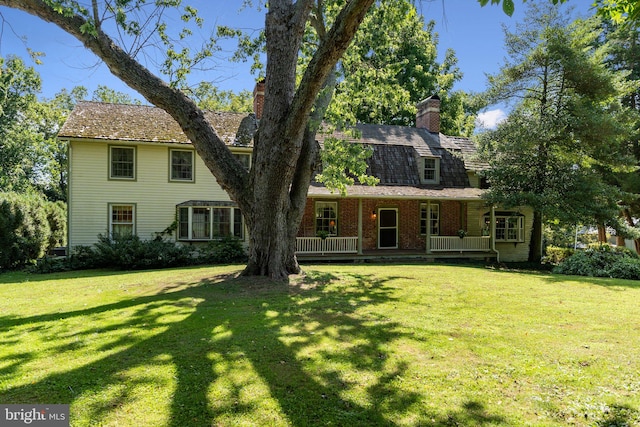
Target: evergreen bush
x: 132, y: 253
x: 555, y: 255
x: 224, y: 251
x: 602, y: 261
x: 29, y: 227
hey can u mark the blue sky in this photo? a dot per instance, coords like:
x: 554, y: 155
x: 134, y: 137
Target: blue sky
x: 473, y: 32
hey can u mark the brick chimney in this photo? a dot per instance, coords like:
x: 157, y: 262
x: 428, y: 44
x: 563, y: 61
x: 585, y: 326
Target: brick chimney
x: 258, y: 98
x: 428, y: 115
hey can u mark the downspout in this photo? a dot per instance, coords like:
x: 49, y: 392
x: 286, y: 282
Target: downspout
x: 68, y: 199
x: 493, y: 233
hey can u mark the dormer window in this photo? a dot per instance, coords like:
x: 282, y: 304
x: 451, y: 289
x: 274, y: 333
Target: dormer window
x: 430, y: 170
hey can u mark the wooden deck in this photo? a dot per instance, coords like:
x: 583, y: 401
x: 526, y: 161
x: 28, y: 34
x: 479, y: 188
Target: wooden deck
x: 396, y: 255
x: 346, y: 249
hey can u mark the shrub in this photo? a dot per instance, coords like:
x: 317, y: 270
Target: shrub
x: 602, y: 261
x: 132, y: 253
x: 57, y: 218
x: 24, y: 229
x: 82, y: 258
x: 225, y: 251
x: 556, y: 255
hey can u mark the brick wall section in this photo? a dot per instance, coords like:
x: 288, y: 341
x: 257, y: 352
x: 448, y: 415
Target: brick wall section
x: 308, y: 224
x: 452, y: 215
x: 347, y: 218
x: 408, y: 223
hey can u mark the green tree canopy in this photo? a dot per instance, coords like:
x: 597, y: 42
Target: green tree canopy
x: 111, y: 96
x: 209, y: 97
x: 31, y: 157
x: 568, y: 122
x: 391, y: 66
x: 19, y: 85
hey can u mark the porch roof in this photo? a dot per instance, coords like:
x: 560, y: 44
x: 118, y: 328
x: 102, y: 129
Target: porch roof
x: 399, y: 192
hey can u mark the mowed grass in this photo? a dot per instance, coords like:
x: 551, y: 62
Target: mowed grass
x: 346, y: 345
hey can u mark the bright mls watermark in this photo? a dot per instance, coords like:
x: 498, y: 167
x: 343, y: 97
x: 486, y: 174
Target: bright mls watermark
x: 34, y: 415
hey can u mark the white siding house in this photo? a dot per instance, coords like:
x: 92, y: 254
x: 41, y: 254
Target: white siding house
x: 133, y: 171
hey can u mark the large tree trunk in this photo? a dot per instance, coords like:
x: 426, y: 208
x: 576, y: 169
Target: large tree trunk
x: 602, y: 233
x: 535, y: 246
x: 272, y: 196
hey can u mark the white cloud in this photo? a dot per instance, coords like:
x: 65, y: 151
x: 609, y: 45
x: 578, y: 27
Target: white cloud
x: 490, y: 119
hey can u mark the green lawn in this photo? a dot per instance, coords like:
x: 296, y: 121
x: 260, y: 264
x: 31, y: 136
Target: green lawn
x: 347, y: 345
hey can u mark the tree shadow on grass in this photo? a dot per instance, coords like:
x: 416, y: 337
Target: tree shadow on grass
x: 241, y: 348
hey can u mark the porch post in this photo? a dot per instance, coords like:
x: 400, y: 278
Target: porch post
x: 428, y: 235
x: 359, y: 226
x: 492, y: 236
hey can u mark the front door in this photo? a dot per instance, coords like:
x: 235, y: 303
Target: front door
x: 388, y: 229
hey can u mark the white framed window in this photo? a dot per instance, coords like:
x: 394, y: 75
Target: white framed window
x: 431, y: 217
x: 122, y: 220
x: 429, y: 170
x: 244, y: 159
x: 122, y: 162
x: 326, y: 218
x: 509, y: 226
x: 209, y: 222
x: 181, y: 165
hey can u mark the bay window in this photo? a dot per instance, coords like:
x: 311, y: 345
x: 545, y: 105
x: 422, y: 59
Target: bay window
x: 203, y: 222
x: 509, y: 226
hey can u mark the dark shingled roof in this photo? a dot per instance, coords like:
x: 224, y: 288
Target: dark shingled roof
x: 97, y: 120
x: 397, y: 149
x: 468, y: 150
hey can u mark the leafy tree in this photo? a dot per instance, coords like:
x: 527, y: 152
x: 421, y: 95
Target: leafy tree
x: 19, y: 85
x: 273, y: 194
x: 209, y: 97
x: 31, y: 158
x: 565, y: 125
x: 106, y: 94
x: 391, y: 66
x: 625, y: 12
x: 47, y: 117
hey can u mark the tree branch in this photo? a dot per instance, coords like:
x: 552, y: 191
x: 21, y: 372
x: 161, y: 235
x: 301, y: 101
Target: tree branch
x: 191, y: 119
x: 329, y: 52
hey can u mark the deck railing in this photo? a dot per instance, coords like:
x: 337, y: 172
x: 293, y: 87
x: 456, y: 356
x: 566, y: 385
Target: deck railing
x: 330, y: 245
x: 349, y: 245
x: 455, y: 243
